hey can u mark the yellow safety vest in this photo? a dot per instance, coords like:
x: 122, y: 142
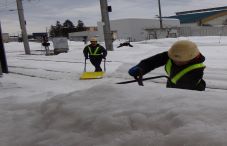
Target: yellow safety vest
x: 95, y: 52
x: 180, y: 74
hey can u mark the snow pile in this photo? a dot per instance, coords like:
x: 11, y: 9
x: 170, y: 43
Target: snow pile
x: 122, y: 116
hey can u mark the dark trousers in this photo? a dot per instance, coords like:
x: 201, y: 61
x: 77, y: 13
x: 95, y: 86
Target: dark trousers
x: 96, y: 61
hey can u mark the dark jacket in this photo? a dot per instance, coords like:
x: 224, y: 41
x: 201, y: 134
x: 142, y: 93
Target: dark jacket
x: 191, y: 80
x: 102, y: 51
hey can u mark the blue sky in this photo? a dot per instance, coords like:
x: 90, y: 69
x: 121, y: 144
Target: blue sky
x: 40, y: 14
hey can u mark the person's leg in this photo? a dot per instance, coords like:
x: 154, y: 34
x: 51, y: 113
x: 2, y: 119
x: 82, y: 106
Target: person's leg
x: 96, y: 62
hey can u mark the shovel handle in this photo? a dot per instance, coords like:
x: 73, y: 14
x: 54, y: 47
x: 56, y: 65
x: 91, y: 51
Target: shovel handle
x: 105, y: 64
x: 85, y: 64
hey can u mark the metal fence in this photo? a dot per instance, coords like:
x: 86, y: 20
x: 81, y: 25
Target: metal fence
x: 202, y: 31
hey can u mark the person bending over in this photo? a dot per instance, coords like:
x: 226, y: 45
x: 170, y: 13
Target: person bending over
x: 183, y: 64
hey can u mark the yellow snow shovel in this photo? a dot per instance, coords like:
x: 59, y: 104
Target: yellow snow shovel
x: 93, y: 75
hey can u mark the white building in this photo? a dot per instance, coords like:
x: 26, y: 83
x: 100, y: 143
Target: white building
x: 133, y: 29
x: 83, y: 35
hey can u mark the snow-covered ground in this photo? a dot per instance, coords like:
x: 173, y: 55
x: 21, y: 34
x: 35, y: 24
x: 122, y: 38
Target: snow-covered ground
x: 43, y: 102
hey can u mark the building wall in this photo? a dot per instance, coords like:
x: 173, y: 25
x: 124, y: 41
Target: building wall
x: 203, y: 31
x: 92, y: 28
x: 219, y: 21
x: 189, y: 24
x: 134, y: 29
x: 162, y: 33
x: 212, y: 20
x: 128, y: 29
x: 80, y: 36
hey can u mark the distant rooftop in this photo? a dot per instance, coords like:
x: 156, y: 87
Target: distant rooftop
x: 197, y: 15
x: 202, y: 10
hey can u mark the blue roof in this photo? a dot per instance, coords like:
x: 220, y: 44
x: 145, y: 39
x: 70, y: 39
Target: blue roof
x: 195, y: 16
x: 202, y: 10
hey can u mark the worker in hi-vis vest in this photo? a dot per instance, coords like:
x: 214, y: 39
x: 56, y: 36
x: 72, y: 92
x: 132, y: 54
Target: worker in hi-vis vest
x: 95, y: 52
x: 183, y: 64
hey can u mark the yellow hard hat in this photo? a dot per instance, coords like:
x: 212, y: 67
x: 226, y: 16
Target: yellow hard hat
x: 183, y: 50
x: 93, y: 39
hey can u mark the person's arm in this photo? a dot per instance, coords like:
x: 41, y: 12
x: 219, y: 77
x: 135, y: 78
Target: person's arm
x: 104, y: 52
x: 85, y: 51
x: 153, y: 62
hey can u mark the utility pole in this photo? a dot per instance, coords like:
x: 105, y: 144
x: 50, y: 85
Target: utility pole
x: 106, y: 25
x: 160, y: 14
x: 23, y: 27
x: 3, y: 62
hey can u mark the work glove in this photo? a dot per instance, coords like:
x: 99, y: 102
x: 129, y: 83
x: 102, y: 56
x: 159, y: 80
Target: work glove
x: 135, y: 71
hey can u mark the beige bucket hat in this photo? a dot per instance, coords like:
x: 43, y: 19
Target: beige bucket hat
x: 183, y: 50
